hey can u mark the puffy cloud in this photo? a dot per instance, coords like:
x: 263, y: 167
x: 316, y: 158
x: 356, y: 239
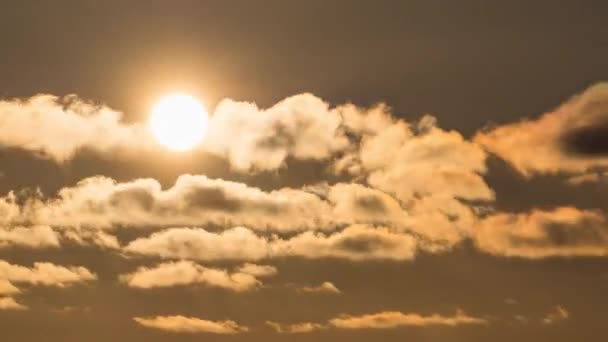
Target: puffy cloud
x: 7, y: 288
x: 189, y: 243
x: 301, y: 126
x: 297, y: 328
x: 570, y: 139
x: 181, y: 324
x: 428, y: 170
x: 325, y: 287
x: 193, y: 200
x: 358, y: 243
x: 9, y: 303
x: 394, y: 319
x: 59, y: 127
x: 561, y: 232
x: 31, y: 237
x: 44, y: 273
x: 186, y: 273
x: 558, y: 313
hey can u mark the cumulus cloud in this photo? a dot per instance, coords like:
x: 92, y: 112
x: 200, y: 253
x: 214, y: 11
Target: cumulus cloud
x: 570, y: 139
x: 59, y: 127
x: 557, y: 314
x: 561, y: 232
x: 198, y: 244
x: 357, y: 243
x: 394, y: 319
x: 41, y: 274
x: 181, y: 324
x: 297, y: 328
x: 30, y: 237
x: 325, y: 287
x: 301, y: 126
x: 193, y: 200
x: 429, y: 170
x: 45, y: 274
x: 9, y: 303
x: 187, y: 273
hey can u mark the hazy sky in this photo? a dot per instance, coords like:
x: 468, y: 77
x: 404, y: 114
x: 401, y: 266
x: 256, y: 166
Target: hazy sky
x: 372, y: 170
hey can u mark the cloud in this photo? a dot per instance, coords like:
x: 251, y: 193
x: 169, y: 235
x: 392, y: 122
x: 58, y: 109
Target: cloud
x: 7, y: 288
x: 45, y: 274
x: 8, y: 303
x: 427, y: 169
x: 325, y: 287
x: 259, y: 271
x: 394, y: 319
x: 193, y: 200
x: 178, y: 273
x: 59, y: 127
x: 570, y: 139
x: 30, y: 237
x: 356, y: 243
x: 298, y: 328
x: 181, y: 324
x: 561, y: 232
x: 302, y: 127
x: 558, y: 313
x: 198, y: 244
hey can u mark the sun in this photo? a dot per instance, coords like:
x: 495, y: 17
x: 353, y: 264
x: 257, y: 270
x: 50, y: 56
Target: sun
x: 179, y: 122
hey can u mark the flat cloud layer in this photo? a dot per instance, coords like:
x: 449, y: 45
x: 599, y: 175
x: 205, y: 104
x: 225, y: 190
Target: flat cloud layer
x: 393, y: 319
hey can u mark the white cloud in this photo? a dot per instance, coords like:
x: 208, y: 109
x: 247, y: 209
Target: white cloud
x: 59, y: 127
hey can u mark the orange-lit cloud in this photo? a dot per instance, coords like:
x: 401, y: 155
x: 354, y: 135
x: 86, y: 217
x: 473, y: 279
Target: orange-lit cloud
x: 394, y: 319
x: 567, y: 139
x: 182, y: 324
x: 178, y: 273
x: 562, y: 232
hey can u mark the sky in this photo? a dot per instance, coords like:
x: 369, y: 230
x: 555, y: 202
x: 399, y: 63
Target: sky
x: 371, y: 170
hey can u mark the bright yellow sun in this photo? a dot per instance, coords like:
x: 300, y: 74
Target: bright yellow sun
x: 179, y: 122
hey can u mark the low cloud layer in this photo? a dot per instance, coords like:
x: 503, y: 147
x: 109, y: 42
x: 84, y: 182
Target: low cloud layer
x: 188, y: 273
x: 182, y: 324
x: 355, y: 243
x: 394, y: 319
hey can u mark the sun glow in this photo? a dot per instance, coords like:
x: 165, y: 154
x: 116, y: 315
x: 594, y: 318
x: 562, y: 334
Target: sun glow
x: 179, y: 122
